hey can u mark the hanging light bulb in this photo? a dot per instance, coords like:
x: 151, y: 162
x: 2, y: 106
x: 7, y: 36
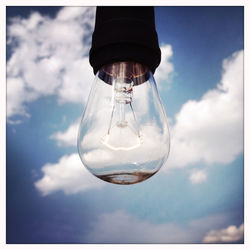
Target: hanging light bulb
x: 123, y: 136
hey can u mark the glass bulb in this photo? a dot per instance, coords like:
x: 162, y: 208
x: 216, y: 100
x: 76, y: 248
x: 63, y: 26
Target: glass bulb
x: 123, y: 136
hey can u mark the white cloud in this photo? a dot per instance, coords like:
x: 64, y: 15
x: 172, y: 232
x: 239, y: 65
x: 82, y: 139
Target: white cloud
x: 198, y: 176
x: 121, y: 227
x: 163, y: 72
x: 17, y: 95
x: 211, y: 130
x: 68, y: 137
x: 67, y: 175
x: 227, y: 235
x: 49, y: 57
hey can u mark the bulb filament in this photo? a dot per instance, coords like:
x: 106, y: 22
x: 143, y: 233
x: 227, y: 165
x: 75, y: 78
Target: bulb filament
x: 105, y: 141
x: 124, y: 133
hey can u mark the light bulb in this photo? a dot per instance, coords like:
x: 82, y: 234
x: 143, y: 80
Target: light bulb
x: 123, y: 136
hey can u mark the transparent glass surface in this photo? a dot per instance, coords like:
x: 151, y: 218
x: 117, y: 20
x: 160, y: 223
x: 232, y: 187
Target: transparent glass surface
x: 123, y: 136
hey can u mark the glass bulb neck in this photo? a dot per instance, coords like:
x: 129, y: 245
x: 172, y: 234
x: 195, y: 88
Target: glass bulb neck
x: 124, y: 72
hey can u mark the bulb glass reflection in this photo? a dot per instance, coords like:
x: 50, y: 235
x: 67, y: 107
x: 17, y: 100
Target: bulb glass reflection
x: 123, y: 136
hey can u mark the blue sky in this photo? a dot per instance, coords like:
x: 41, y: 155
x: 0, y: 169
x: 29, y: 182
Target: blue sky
x: 197, y: 197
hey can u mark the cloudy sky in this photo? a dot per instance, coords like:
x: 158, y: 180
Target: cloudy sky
x: 197, y: 197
